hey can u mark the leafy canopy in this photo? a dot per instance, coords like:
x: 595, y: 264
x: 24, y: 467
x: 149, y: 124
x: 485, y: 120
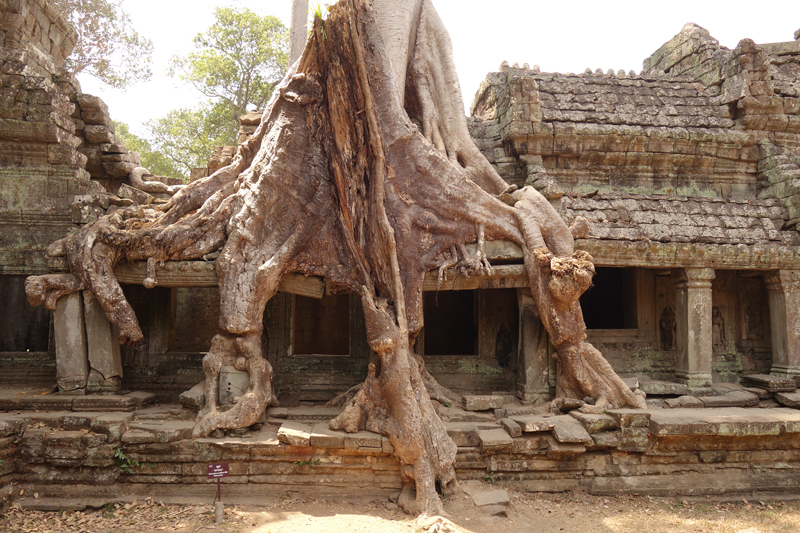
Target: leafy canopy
x: 238, y: 60
x: 153, y: 160
x: 108, y: 47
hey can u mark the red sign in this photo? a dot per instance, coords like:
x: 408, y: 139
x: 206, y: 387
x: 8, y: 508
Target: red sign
x: 217, y: 470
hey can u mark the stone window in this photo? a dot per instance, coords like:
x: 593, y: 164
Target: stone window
x: 451, y: 323
x: 611, y: 301
x: 321, y: 327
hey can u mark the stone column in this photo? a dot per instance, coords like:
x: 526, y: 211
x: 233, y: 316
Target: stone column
x: 694, y: 329
x: 102, y: 341
x: 784, y: 314
x: 533, y: 367
x: 72, y: 367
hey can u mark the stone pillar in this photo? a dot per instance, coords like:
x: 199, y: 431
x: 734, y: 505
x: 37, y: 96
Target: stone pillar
x: 533, y: 368
x: 784, y: 314
x: 72, y: 368
x: 102, y: 342
x: 694, y: 329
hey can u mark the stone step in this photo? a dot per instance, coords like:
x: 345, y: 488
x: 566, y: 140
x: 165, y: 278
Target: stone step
x: 740, y: 398
x: 568, y: 430
x: 771, y: 383
x: 789, y: 399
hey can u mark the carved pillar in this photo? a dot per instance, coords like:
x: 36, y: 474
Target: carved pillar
x: 784, y: 314
x: 533, y: 368
x: 694, y: 328
x: 72, y: 367
x: 102, y: 341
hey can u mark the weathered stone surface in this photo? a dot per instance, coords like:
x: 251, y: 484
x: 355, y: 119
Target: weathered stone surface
x: 463, y: 433
x: 771, y: 383
x: 311, y: 413
x: 606, y: 439
x: 732, y: 399
x: 295, y: 433
x: 138, y: 437
x: 684, y: 402
x: 481, y: 403
x: 513, y: 428
x: 593, y: 423
x: 534, y: 423
x: 232, y: 384
x: 359, y: 439
x: 72, y: 364
x: 563, y: 450
x: 495, y: 510
x: 142, y: 398
x: 663, y: 388
x: 104, y: 403
x: 569, y: 430
x: 322, y: 436
x: 630, y: 417
x: 102, y: 342
x: 495, y: 441
x: 491, y: 497
x: 789, y: 399
x: 634, y: 439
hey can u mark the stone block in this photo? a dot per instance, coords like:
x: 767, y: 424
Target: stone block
x: 361, y: 439
x: 492, y: 497
x: 563, y: 450
x: 634, y: 439
x: 232, y: 384
x: 481, y: 403
x: 463, y: 433
x: 295, y: 433
x: 533, y: 423
x: 72, y: 365
x: 138, y: 436
x: 140, y: 197
x: 789, y: 399
x: 194, y: 398
x: 569, y: 430
x: 630, y: 417
x: 595, y: 423
x: 102, y: 339
x: 771, y: 383
x: 495, y: 441
x: 739, y: 398
x: 683, y: 402
x: 513, y: 429
x: 322, y: 436
x: 663, y: 388
x: 606, y: 439
x: 97, y: 134
x: 104, y: 403
x: 495, y: 510
x: 142, y: 398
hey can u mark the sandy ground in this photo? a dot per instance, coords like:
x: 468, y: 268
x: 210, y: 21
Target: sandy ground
x: 528, y: 512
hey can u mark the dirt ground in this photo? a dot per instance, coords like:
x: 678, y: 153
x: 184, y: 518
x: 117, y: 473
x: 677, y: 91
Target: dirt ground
x: 535, y: 512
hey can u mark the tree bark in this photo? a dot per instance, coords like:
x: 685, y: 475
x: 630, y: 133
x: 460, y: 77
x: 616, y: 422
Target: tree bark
x: 361, y: 171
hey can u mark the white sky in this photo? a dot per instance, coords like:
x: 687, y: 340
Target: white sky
x: 560, y: 36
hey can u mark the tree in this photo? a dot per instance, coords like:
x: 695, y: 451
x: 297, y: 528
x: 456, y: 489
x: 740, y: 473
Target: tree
x: 186, y: 137
x: 108, y: 48
x: 237, y: 61
x: 151, y: 159
x: 338, y: 182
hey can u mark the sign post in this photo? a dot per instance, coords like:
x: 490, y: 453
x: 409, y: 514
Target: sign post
x: 218, y: 471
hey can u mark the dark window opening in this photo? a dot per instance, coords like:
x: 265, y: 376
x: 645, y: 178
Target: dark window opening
x: 451, y: 326
x: 610, y: 303
x: 23, y: 328
x: 322, y: 327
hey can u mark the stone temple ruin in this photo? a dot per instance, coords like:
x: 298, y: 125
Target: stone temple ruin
x: 688, y: 174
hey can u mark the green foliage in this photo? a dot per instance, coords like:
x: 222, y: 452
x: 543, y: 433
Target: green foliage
x: 312, y: 464
x: 108, y: 47
x: 152, y: 159
x: 187, y: 137
x: 237, y: 61
x: 125, y: 463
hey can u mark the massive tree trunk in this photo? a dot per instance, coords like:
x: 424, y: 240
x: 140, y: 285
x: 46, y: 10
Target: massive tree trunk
x: 362, y: 171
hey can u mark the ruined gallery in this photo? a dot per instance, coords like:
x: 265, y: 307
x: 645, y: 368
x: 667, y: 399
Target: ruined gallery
x: 681, y: 184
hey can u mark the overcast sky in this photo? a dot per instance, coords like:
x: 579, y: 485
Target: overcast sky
x: 566, y: 36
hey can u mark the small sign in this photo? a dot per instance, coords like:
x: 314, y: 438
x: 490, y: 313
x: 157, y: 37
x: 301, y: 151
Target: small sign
x: 217, y: 470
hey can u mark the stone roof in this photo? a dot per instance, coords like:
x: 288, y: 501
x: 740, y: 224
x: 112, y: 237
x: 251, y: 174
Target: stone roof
x: 681, y: 219
x: 635, y: 101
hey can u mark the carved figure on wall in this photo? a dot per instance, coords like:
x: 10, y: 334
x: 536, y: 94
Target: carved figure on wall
x: 339, y: 182
x: 666, y: 327
x: 752, y: 316
x: 717, y: 330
